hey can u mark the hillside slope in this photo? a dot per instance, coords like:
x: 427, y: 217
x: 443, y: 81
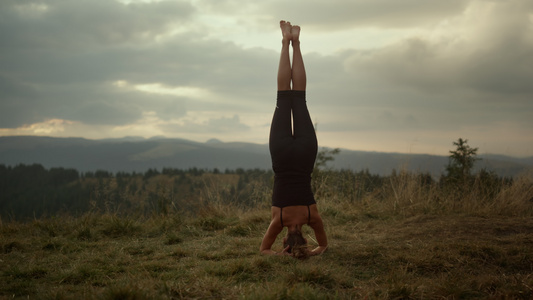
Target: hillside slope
x: 137, y: 154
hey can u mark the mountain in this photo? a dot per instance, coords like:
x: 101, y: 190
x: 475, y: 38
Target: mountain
x: 130, y: 154
x: 137, y: 154
x: 384, y: 163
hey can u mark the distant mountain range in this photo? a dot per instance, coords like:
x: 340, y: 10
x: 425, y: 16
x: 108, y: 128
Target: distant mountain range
x: 138, y: 154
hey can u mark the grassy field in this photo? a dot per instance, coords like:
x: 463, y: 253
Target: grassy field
x: 408, y: 242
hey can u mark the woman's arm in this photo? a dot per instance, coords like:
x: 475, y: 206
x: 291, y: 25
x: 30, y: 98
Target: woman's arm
x: 270, y: 237
x: 320, y: 234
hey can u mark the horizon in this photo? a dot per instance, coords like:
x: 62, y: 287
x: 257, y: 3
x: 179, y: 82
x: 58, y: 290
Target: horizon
x: 215, y: 139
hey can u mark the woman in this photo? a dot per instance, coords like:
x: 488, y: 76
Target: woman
x: 293, y: 157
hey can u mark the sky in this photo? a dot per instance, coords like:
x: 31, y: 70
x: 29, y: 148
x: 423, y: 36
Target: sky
x: 409, y: 76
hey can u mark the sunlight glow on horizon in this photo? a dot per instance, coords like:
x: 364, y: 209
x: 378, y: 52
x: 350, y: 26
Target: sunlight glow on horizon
x: 158, y: 88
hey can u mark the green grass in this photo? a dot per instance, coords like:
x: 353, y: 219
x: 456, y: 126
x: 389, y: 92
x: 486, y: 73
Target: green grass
x: 403, y: 243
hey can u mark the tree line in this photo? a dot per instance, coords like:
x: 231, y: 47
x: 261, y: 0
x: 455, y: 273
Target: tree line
x: 32, y: 191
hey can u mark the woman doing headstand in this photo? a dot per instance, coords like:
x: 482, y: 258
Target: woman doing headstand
x: 293, y: 150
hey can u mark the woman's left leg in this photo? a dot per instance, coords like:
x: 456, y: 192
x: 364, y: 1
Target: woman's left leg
x: 298, y: 76
x: 304, y: 131
x: 303, y: 126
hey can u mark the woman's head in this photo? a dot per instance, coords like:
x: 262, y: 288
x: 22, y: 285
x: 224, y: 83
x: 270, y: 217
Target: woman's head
x: 297, y: 244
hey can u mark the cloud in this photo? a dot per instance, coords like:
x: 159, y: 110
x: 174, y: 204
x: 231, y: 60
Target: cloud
x: 336, y: 15
x: 88, y: 23
x: 226, y: 124
x: 471, y: 74
x: 17, y: 101
x: 61, y: 57
x: 204, y: 124
x: 399, y: 70
x: 486, y: 50
x: 343, y: 14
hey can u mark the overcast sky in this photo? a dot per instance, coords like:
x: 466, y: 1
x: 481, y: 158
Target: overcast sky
x: 408, y: 76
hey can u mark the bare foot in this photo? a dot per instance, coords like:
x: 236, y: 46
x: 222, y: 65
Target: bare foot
x: 286, y: 29
x: 295, y: 32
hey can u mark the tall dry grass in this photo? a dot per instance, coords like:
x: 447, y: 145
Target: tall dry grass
x: 404, y: 237
x: 408, y: 194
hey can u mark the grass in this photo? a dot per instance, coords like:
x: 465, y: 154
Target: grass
x: 401, y: 242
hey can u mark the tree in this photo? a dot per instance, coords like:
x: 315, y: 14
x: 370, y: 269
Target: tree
x: 322, y: 158
x: 461, y: 161
x: 325, y: 155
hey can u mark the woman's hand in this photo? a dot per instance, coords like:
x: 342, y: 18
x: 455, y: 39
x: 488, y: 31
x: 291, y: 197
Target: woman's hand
x: 285, y: 251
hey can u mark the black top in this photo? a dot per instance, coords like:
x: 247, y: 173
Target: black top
x: 292, y: 189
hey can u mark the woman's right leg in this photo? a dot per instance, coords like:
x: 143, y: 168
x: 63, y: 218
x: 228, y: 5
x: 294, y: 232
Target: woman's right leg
x: 281, y: 127
x: 284, y: 68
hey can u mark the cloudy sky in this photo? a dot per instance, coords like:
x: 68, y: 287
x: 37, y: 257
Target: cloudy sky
x: 408, y: 76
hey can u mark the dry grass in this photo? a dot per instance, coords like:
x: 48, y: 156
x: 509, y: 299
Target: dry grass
x: 403, y: 241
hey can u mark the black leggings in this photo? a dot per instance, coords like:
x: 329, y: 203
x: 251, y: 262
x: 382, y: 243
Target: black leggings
x: 292, y: 152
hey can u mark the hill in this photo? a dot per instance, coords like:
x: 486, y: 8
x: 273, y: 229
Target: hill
x: 137, y: 154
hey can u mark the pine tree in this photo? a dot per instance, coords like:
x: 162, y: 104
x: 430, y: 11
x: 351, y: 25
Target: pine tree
x: 461, y: 162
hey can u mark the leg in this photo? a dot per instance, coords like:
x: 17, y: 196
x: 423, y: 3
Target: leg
x: 281, y: 122
x: 281, y: 131
x: 304, y: 131
x: 284, y: 69
x: 303, y: 126
x: 305, y: 141
x: 299, y: 79
x: 281, y: 127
